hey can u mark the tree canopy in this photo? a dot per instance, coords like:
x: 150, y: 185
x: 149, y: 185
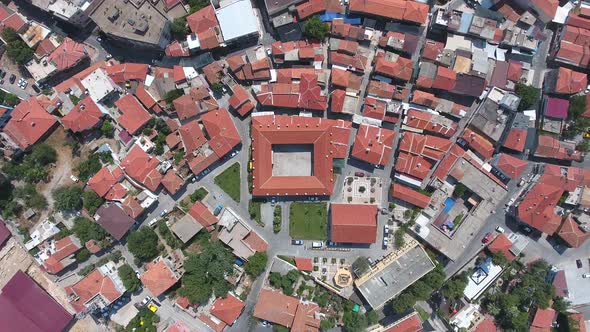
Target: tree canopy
x: 256, y: 264
x: 17, y: 50
x: 86, y: 229
x: 179, y: 28
x: 143, y: 244
x: 31, y: 168
x: 529, y: 96
x: 107, y: 129
x: 67, y: 198
x: 87, y: 168
x: 454, y: 287
x: 91, y: 201
x: 129, y: 278
x: 205, y: 273
x: 315, y: 28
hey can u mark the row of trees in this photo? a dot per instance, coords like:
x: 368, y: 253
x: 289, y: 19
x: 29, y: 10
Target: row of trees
x: 32, y: 167
x: 17, y: 50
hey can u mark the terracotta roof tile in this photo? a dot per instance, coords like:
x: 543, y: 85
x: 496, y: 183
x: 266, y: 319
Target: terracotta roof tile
x: 172, y: 182
x: 28, y: 123
x: 142, y: 168
x: 134, y: 116
x: 304, y: 264
x: 202, y: 20
x: 104, y: 180
x: 353, y: 223
x: 158, y: 277
x: 223, y: 134
x: 68, y: 54
x: 410, y: 323
x: 275, y: 307
x: 511, y: 166
x: 572, y: 233
x: 227, y: 309
x: 84, y: 116
x: 570, y: 82
x: 400, y: 69
x: 373, y: 144
x: 202, y: 215
x: 502, y: 245
x: 478, y: 143
x: 92, y: 285
x: 543, y: 320
x: 410, y: 195
x: 516, y: 139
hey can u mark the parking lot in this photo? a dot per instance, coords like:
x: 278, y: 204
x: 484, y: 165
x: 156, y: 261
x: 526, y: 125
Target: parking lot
x: 10, y: 69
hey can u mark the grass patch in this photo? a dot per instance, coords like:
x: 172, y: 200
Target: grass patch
x: 199, y: 194
x: 229, y: 181
x: 308, y: 221
x: 287, y: 259
x: 277, y: 219
x: 423, y: 314
x: 254, y: 210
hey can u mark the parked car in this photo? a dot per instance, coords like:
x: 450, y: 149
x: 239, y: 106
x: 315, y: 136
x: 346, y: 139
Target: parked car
x: 370, y: 260
x: 359, y: 174
x: 499, y: 229
x: 526, y: 229
x: 2, y: 73
x: 586, y: 275
x: 233, y: 154
x: 12, y: 79
x: 36, y: 88
x: 73, y: 178
x: 108, y: 56
x: 579, y: 263
x: 218, y: 210
x: 487, y: 238
x: 317, y: 244
x: 153, y: 222
x: 163, y: 213
x: 146, y: 300
x: 152, y: 307
x: 386, y: 229
x: 297, y: 242
x: 385, y: 242
x: 24, y: 85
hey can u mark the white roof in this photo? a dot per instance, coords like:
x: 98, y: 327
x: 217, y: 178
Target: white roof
x: 237, y: 20
x: 99, y: 84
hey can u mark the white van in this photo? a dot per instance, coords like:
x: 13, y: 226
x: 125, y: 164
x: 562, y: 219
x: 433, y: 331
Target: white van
x: 317, y: 244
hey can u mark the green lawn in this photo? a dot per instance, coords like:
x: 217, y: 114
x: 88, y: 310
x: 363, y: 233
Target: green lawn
x: 308, y: 221
x: 229, y: 181
x: 254, y: 210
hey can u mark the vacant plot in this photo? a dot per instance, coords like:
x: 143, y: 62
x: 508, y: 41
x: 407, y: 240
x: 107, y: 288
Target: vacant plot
x: 308, y: 221
x: 229, y: 181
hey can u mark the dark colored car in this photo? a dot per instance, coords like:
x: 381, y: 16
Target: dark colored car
x: 2, y: 73
x: 359, y: 174
x: 297, y: 242
x: 579, y: 263
x: 36, y: 88
x: 12, y: 78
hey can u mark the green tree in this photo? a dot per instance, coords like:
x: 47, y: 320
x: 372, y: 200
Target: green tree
x: 87, y: 168
x: 82, y: 255
x: 577, y: 107
x: 529, y: 96
x: 91, y: 201
x: 197, y: 5
x: 454, y: 287
x: 86, y: 230
x: 459, y: 190
x: 172, y: 95
x: 33, y: 199
x: 327, y: 324
x: 143, y: 244
x: 129, y: 278
x: 107, y: 129
x: 179, y: 28
x: 178, y: 156
x: 256, y: 264
x: 217, y: 87
x: 403, y: 302
x: 354, y: 322
x: 315, y: 28
x: 372, y: 317
x: 583, y: 146
x: 205, y: 273
x: 11, y: 99
x: 16, y: 49
x: 67, y: 198
x: 43, y: 154
x: 498, y: 258
x: 560, y: 305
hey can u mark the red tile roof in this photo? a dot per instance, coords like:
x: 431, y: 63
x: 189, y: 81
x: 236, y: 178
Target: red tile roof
x: 487, y: 325
x: 202, y: 215
x: 401, y: 68
x: 415, y: 166
x: 410, y: 323
x: 305, y: 318
x: 176, y: 49
x: 337, y: 100
x: 572, y: 233
x: 514, y: 71
x: 141, y: 167
x: 502, y: 244
x: 93, y: 246
x: 400, y: 10
x: 134, y: 116
x: 330, y: 140
x: 172, y: 182
x: 132, y: 207
x: 543, y: 320
x: 432, y: 49
x: 45, y: 47
x: 511, y: 166
x: 550, y: 147
x: 478, y: 143
x: 410, y: 195
x: 254, y: 241
x: 570, y: 82
x: 28, y: 123
x: 158, y: 277
x: 25, y: 306
x: 227, y: 309
x: 14, y: 21
x: 428, y: 146
x: 68, y: 54
x: 192, y: 136
x: 240, y: 100
x: 516, y: 139
x: 353, y: 223
x: 373, y: 144
x: 573, y: 53
x: 92, y: 285
x: 580, y: 319
x: 547, y: 7
x: 202, y: 20
x: 430, y: 122
x: 186, y: 107
x: 63, y: 248
x: 275, y: 307
x: 445, y: 79
x: 144, y: 97
x: 223, y: 134
x: 127, y: 72
x: 304, y: 264
x: 84, y: 116
x: 538, y: 207
x: 104, y: 180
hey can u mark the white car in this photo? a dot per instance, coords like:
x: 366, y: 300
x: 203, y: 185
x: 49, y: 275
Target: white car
x: 73, y: 178
x: 153, y: 222
x: 586, y: 275
x: 386, y: 230
x: 108, y: 56
x: 385, y: 242
x: 500, y: 230
x: 163, y: 213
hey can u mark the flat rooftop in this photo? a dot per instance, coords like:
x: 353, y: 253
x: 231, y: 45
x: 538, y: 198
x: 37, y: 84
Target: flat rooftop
x: 275, y: 6
x: 395, y: 275
x: 292, y: 160
x: 237, y: 19
x: 135, y: 20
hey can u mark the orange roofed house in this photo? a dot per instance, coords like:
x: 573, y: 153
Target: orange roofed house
x: 373, y: 144
x: 159, y: 276
x: 353, y: 223
x: 141, y: 168
x: 97, y: 290
x: 329, y: 139
x: 28, y: 124
x: 226, y: 310
x: 277, y: 308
